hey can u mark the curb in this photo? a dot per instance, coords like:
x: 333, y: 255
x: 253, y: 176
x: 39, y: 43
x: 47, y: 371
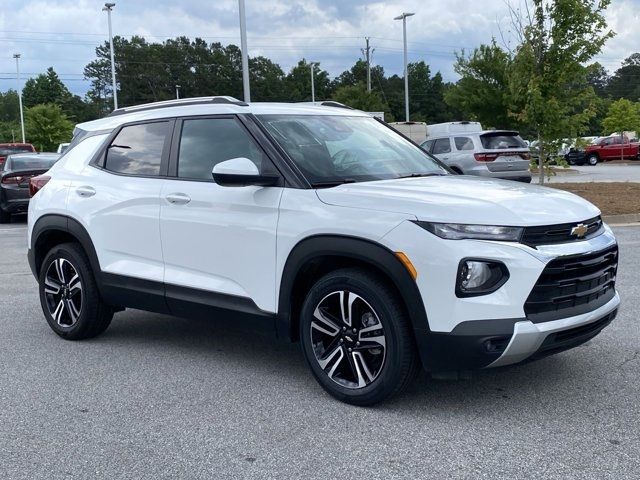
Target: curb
x: 626, y: 219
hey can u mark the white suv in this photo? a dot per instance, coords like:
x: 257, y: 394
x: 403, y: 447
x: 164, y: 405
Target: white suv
x: 324, y: 225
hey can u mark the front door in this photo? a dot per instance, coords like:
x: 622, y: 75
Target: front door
x: 218, y: 241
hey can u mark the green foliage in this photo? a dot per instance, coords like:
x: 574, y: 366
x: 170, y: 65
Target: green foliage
x: 623, y: 115
x: 356, y: 96
x: 625, y: 82
x: 481, y: 94
x: 47, y: 126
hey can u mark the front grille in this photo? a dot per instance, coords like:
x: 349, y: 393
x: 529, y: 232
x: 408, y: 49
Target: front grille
x: 561, y: 233
x: 573, y: 285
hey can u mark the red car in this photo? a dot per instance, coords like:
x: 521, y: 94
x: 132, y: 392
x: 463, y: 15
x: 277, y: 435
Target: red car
x: 11, y: 148
x: 613, y: 147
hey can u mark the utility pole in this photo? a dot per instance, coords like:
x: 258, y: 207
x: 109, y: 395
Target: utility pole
x: 368, y: 51
x: 403, y: 17
x: 107, y: 8
x: 177, y: 92
x: 17, y: 57
x: 245, y: 54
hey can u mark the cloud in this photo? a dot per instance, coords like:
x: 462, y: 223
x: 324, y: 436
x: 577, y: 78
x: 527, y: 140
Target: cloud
x: 64, y: 33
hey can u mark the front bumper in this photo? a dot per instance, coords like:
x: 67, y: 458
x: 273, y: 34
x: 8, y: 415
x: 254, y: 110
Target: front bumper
x: 492, y: 330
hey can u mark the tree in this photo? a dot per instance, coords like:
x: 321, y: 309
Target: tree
x: 482, y: 93
x: 47, y: 126
x: 625, y: 82
x: 623, y: 115
x: 548, y: 83
x: 45, y: 88
x: 9, y: 117
x: 356, y: 96
x: 298, y: 83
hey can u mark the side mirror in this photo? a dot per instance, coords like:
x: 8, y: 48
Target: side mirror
x: 240, y: 172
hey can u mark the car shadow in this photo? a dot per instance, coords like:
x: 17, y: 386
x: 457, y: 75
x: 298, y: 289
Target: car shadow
x: 217, y: 342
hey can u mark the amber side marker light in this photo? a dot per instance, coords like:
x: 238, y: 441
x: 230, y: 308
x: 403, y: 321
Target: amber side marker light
x: 407, y: 264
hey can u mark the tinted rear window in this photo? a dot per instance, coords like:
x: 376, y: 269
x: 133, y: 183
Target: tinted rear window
x: 30, y: 163
x: 499, y: 141
x: 10, y: 150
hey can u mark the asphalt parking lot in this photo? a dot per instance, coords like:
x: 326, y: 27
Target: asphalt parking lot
x: 603, y: 172
x: 160, y: 397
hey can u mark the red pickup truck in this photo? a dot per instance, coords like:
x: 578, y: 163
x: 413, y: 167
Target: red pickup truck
x: 11, y: 148
x: 614, y: 147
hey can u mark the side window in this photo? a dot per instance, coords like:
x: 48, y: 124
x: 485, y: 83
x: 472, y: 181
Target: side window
x: 137, y: 149
x: 606, y: 141
x: 428, y: 145
x: 464, y: 143
x: 208, y: 141
x: 442, y: 145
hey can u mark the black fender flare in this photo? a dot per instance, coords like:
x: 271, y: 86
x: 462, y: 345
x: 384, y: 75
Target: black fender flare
x: 53, y: 222
x: 362, y: 250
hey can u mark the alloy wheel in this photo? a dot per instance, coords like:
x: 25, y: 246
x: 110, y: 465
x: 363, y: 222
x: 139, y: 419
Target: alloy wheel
x: 348, y: 339
x: 63, y: 292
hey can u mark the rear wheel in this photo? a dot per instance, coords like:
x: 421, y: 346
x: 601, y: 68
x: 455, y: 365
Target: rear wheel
x: 356, y: 337
x: 592, y: 160
x: 69, y: 295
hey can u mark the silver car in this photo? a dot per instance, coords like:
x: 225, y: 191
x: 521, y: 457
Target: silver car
x: 487, y: 153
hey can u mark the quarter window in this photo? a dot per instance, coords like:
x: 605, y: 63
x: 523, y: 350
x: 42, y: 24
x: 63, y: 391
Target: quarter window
x: 464, y: 143
x: 208, y: 141
x: 137, y: 149
x: 442, y: 145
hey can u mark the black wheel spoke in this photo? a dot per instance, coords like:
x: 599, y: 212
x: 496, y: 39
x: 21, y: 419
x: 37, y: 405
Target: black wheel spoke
x: 63, y: 292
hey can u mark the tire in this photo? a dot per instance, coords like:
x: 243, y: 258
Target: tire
x: 5, y: 217
x: 592, y: 160
x: 356, y: 374
x: 69, y: 294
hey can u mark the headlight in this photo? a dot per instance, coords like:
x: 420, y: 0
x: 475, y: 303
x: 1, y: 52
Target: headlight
x: 480, y: 277
x: 460, y: 231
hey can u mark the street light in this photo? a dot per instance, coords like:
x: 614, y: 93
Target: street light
x: 403, y: 17
x: 107, y: 8
x: 177, y: 92
x: 245, y: 54
x: 17, y: 57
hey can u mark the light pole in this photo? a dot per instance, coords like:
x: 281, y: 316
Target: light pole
x: 107, y: 8
x: 245, y: 54
x: 403, y: 17
x: 17, y: 57
x: 177, y: 92
x: 313, y: 86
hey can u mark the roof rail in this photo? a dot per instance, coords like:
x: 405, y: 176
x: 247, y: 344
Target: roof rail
x: 179, y: 103
x: 331, y: 103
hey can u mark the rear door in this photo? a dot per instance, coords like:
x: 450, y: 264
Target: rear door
x: 442, y: 149
x: 117, y: 199
x: 219, y: 243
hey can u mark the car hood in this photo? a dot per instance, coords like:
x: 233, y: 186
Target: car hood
x: 464, y: 199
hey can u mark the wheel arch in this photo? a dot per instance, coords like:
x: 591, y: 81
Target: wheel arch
x: 51, y: 230
x: 315, y: 256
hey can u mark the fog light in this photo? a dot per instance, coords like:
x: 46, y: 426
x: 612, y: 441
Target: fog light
x: 480, y: 277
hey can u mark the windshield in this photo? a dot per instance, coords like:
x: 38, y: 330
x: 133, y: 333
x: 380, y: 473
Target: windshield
x: 338, y: 149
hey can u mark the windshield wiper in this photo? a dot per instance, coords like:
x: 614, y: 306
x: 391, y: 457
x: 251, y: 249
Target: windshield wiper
x: 333, y: 183
x: 418, y: 175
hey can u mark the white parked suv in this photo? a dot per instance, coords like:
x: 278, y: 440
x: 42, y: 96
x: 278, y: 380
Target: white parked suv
x: 324, y: 225
x: 469, y: 150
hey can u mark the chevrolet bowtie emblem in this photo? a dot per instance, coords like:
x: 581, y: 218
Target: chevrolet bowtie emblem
x: 580, y: 230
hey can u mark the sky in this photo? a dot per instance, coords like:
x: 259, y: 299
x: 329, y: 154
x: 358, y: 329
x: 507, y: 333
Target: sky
x: 64, y: 33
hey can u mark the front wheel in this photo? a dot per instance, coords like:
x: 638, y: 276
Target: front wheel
x: 69, y: 294
x: 592, y: 160
x: 356, y: 337
x: 5, y: 217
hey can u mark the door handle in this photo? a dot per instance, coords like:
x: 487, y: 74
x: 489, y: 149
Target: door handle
x: 86, y: 191
x: 178, y: 198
